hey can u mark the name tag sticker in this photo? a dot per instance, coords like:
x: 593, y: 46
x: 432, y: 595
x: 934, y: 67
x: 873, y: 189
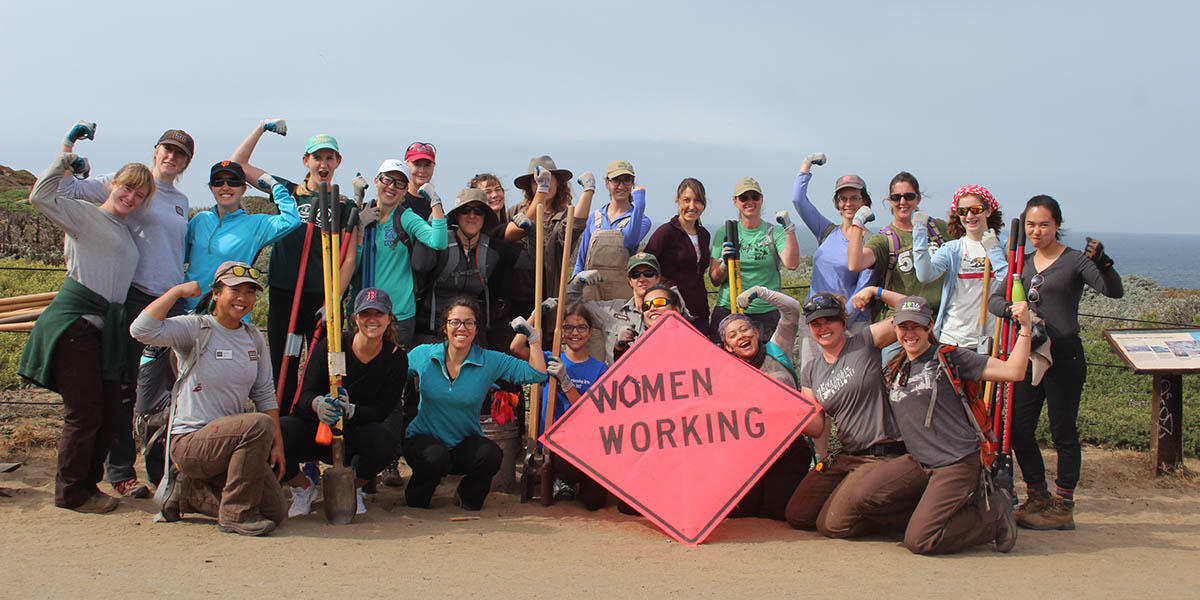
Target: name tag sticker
x: 224, y: 354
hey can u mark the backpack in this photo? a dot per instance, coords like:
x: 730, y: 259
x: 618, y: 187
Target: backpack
x: 970, y: 393
x: 935, y: 239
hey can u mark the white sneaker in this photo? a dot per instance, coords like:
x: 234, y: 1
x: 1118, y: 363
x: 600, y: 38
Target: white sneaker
x: 362, y: 504
x: 302, y: 499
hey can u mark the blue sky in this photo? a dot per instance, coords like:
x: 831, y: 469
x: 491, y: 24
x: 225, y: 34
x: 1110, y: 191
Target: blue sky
x: 1093, y: 103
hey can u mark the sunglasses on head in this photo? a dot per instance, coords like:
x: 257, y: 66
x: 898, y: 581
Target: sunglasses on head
x: 910, y: 196
x: 240, y: 271
x: 422, y: 147
x: 640, y: 273
x: 970, y: 210
x: 820, y: 302
x: 653, y: 302
x: 216, y: 183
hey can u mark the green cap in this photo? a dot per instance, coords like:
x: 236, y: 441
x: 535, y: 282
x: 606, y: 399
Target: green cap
x: 320, y: 142
x: 642, y: 258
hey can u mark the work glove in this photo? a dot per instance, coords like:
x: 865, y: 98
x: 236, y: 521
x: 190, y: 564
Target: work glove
x: 80, y: 130
x: 80, y: 166
x: 783, y: 218
x: 524, y: 222
x: 920, y: 220
x: 626, y: 336
x: 274, y: 126
x: 360, y: 188
x: 550, y: 304
x: 817, y: 158
x: 266, y: 182
x: 430, y: 193
x: 745, y: 298
x: 1095, y: 251
x: 728, y: 251
x: 522, y: 326
x: 328, y: 411
x: 368, y: 215
x: 347, y: 409
x: 557, y: 369
x: 542, y: 178
x: 589, y: 277
x: 587, y: 181
x: 989, y: 240
x: 863, y: 216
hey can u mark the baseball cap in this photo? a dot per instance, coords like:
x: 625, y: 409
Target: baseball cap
x: 913, y: 309
x: 642, y: 258
x: 822, y: 306
x: 232, y: 272
x: 746, y: 184
x: 418, y: 150
x: 320, y: 142
x: 849, y: 181
x: 374, y: 298
x: 227, y: 166
x: 393, y: 164
x: 618, y: 168
x: 180, y: 139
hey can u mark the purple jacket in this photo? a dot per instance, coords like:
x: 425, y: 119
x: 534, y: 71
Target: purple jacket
x: 680, y: 264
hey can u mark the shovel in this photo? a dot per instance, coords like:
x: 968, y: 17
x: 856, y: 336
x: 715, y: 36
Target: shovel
x: 337, y: 482
x: 547, y: 474
x: 534, y: 458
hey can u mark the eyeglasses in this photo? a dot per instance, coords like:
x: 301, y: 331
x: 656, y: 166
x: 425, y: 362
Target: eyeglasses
x: 421, y: 147
x: 239, y: 271
x: 820, y: 302
x: 622, y: 181
x: 216, y: 183
x: 1035, y: 294
x: 910, y: 196
x: 576, y: 328
x: 385, y: 181
x: 849, y: 199
x: 640, y: 273
x: 469, y: 324
x: 973, y: 210
x: 655, y: 302
x: 478, y: 211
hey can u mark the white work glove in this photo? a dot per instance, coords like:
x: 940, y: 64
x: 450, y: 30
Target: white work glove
x: 360, y: 188
x: 274, y: 126
x: 783, y: 218
x: 589, y: 277
x: 745, y: 298
x: 863, y: 216
x: 80, y: 130
x: 326, y: 409
x: 587, y: 181
x: 520, y: 219
x: 542, y: 178
x: 431, y: 194
x: 817, y: 158
x: 347, y: 409
x: 266, y: 182
x: 920, y: 220
x: 368, y: 215
x: 522, y: 326
x: 557, y: 369
x: 989, y: 240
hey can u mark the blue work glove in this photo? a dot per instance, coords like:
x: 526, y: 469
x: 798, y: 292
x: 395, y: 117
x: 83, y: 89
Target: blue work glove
x: 728, y: 251
x: 80, y: 130
x: 783, y: 218
x: 542, y: 178
x: 745, y: 298
x: 863, y: 216
x: 80, y: 166
x: 587, y: 181
x: 328, y: 411
x: 589, y: 277
x: 266, y: 182
x: 816, y: 158
x: 522, y: 326
x: 430, y: 193
x: 524, y: 222
x: 274, y: 126
x: 347, y: 409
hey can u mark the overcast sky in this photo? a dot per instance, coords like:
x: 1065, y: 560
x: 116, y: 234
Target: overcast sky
x: 1091, y: 102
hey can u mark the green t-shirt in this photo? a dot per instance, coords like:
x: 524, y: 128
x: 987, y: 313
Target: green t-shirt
x: 904, y: 278
x: 758, y: 262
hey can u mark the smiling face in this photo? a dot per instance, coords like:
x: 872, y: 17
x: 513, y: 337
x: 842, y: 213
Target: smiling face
x: 170, y: 161
x: 620, y: 187
x: 974, y: 224
x: 495, y: 194
x: 689, y: 205
x: 642, y: 278
x: 848, y: 201
x: 389, y: 188
x: 741, y: 339
x: 460, y: 327
x: 227, y: 195
x: 652, y: 314
x: 123, y: 199
x: 1040, y: 227
x: 904, y: 208
x: 828, y: 332
x: 470, y: 220
x: 914, y: 338
x: 235, y: 301
x: 422, y: 171
x: 749, y: 205
x: 321, y: 165
x: 576, y: 332
x: 372, y: 323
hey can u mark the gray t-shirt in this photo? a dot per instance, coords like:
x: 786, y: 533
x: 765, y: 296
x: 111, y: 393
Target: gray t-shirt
x: 228, y: 371
x: 950, y: 436
x: 851, y: 391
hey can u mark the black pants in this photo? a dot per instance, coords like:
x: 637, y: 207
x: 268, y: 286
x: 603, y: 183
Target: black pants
x: 766, y: 322
x: 368, y: 446
x: 1060, y: 389
x: 277, y: 327
x: 769, y: 497
x: 592, y: 495
x: 123, y: 452
x: 476, y: 458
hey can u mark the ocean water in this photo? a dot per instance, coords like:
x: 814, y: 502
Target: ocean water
x: 1173, y: 260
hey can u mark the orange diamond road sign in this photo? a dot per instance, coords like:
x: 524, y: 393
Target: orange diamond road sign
x: 680, y: 429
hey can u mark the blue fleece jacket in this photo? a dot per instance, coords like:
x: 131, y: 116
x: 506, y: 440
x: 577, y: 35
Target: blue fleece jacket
x: 948, y: 259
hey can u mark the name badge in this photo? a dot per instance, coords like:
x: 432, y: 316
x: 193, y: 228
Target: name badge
x: 224, y: 354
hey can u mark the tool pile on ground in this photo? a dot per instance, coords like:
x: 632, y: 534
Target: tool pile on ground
x: 18, y: 313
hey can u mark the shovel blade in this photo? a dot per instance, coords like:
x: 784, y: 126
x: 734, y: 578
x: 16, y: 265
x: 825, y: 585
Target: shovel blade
x: 529, y: 478
x: 337, y: 485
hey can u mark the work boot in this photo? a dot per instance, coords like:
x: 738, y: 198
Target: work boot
x: 131, y: 488
x: 1035, y: 502
x: 391, y: 474
x: 97, y: 504
x: 1006, y: 527
x: 1058, y: 514
x: 254, y: 525
x: 171, y: 512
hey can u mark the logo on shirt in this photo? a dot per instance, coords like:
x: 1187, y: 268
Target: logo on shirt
x: 179, y: 211
x: 253, y: 355
x: 198, y: 388
x: 834, y: 382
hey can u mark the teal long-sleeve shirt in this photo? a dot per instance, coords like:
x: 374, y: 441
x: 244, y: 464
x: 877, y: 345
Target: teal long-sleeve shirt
x: 449, y: 410
x: 393, y: 264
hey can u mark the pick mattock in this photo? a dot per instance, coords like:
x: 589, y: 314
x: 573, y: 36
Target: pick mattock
x: 547, y: 474
x: 734, y: 268
x: 533, y: 456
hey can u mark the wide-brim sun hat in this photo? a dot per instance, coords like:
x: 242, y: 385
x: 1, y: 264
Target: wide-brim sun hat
x: 544, y: 161
x: 469, y: 197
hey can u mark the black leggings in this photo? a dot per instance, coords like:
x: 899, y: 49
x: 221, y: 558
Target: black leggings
x: 368, y: 446
x: 476, y: 458
x: 1060, y: 389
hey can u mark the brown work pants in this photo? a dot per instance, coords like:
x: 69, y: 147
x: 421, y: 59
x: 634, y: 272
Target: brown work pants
x: 225, y: 468
x: 950, y: 515
x: 857, y: 495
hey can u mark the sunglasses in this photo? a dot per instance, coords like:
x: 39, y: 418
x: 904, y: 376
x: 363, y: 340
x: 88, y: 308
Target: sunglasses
x: 385, y: 181
x: 750, y: 197
x: 640, y: 273
x: 216, y: 183
x: 970, y: 210
x: 240, y: 271
x: 1035, y: 284
x: 473, y: 210
x: 655, y: 302
x: 910, y: 196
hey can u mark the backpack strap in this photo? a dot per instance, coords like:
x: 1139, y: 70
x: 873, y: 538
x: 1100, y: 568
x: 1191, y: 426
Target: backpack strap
x: 828, y: 231
x: 777, y: 353
x: 935, y: 234
x: 947, y: 366
x: 770, y: 233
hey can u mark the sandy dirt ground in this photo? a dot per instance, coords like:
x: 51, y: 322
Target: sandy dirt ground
x: 1137, y: 537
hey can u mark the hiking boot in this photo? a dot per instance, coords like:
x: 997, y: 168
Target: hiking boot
x: 362, y: 502
x: 1006, y: 527
x: 170, y: 508
x: 97, y: 504
x: 131, y: 488
x: 458, y: 499
x: 255, y: 525
x: 302, y: 499
x: 563, y: 490
x: 1035, y: 502
x: 1058, y: 514
x: 391, y: 474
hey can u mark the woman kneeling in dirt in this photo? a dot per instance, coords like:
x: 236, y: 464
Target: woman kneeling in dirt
x: 229, y: 461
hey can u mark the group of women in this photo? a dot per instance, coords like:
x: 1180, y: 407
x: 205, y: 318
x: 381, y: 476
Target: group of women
x: 434, y: 293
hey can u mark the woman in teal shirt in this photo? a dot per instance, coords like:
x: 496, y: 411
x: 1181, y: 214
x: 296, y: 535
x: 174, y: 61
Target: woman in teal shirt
x: 455, y: 376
